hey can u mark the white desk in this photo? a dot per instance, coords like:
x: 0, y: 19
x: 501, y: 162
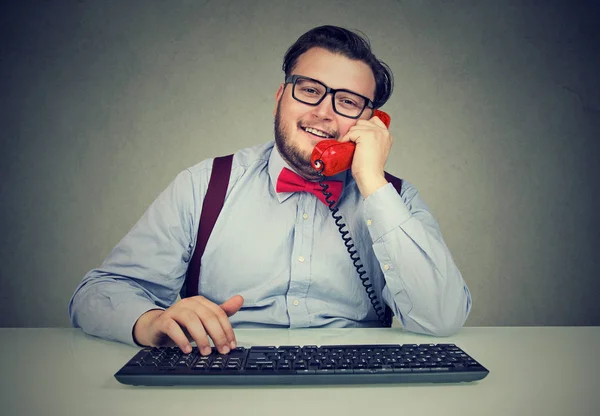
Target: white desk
x: 533, y: 371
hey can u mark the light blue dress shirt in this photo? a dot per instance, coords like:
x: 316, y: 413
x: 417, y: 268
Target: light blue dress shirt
x: 283, y: 253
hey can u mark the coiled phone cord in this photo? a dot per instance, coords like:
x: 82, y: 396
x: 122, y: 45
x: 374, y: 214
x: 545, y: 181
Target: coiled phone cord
x: 366, y: 282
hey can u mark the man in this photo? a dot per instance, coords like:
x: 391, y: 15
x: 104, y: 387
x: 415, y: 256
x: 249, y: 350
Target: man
x: 275, y: 257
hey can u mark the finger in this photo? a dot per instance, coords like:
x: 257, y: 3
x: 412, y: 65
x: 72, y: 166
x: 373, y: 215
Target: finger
x: 349, y: 135
x: 376, y: 120
x: 354, y: 134
x: 171, y: 328
x: 191, y: 321
x: 217, y: 325
x: 221, y: 312
x: 370, y: 125
x: 232, y: 305
x: 214, y: 329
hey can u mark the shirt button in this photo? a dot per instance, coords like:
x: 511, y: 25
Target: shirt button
x: 386, y: 266
x: 305, y: 216
x: 296, y: 302
x: 369, y: 222
x: 301, y: 259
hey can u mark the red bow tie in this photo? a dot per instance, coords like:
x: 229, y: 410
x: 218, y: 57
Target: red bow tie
x: 289, y: 181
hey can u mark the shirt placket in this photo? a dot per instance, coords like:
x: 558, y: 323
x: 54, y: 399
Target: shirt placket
x: 301, y: 260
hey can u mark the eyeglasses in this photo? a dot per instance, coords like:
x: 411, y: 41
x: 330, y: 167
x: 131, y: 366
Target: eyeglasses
x: 310, y: 91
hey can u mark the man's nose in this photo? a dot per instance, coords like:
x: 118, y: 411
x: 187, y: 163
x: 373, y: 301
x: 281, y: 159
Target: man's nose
x: 325, y: 108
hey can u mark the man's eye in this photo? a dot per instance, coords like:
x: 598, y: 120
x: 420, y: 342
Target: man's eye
x: 347, y: 102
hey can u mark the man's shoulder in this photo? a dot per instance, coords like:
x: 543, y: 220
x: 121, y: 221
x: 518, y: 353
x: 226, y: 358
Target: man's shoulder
x: 252, y: 156
x: 243, y: 159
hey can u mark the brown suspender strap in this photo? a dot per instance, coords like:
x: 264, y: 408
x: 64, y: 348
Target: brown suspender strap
x: 396, y: 182
x: 213, y: 202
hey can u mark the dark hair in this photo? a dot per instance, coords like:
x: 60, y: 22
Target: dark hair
x: 349, y: 44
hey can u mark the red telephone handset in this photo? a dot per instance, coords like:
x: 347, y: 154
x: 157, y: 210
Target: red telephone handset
x: 336, y: 156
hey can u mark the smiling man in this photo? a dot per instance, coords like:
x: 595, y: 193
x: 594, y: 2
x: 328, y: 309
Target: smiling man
x: 343, y: 118
x: 276, y: 257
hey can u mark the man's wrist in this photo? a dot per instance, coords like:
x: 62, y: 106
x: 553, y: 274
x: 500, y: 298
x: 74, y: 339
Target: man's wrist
x: 369, y: 183
x: 140, y: 327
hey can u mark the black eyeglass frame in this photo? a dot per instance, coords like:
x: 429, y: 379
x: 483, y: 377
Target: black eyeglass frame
x: 293, y: 78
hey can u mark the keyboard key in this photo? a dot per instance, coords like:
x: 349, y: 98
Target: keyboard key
x: 343, y: 371
x: 305, y: 372
x: 362, y: 371
x: 324, y: 371
x: 263, y: 349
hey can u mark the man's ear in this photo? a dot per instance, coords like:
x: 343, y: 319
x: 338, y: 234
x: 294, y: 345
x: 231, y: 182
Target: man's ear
x: 278, y: 95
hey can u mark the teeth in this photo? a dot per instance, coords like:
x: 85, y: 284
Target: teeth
x: 316, y: 132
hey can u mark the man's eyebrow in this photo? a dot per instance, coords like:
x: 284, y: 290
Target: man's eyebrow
x: 337, y: 89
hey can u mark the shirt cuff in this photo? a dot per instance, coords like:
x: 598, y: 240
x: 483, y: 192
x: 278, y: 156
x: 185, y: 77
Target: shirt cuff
x: 128, y: 313
x: 384, y: 210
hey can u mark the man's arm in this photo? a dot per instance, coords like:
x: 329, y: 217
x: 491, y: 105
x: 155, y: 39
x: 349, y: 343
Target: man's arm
x: 144, y: 271
x: 423, y: 284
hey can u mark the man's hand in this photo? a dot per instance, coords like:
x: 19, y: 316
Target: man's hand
x: 195, y: 318
x: 373, y: 144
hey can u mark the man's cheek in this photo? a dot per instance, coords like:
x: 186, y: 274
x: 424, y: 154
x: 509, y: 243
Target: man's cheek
x: 342, y: 133
x: 345, y: 128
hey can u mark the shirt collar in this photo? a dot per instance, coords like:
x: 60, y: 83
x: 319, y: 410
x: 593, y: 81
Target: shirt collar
x: 276, y: 164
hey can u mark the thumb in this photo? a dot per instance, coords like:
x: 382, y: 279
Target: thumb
x: 232, y: 305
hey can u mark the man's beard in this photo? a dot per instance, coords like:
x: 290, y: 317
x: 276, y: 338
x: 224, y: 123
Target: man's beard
x: 290, y: 152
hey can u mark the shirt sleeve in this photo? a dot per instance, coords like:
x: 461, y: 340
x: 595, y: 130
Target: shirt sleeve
x: 423, y: 284
x: 145, y: 270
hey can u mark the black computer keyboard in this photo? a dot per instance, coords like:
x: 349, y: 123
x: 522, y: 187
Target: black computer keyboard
x: 310, y: 364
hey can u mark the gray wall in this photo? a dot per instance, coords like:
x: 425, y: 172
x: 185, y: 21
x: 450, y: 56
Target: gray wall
x: 495, y: 119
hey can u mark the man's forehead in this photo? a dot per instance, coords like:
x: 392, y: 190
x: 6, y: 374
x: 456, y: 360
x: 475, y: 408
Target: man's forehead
x: 336, y: 71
